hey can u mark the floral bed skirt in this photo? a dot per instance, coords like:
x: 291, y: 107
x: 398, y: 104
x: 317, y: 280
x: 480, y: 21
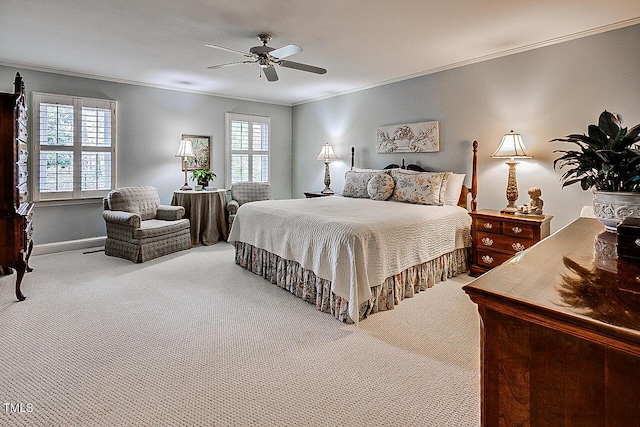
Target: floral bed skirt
x: 306, y: 285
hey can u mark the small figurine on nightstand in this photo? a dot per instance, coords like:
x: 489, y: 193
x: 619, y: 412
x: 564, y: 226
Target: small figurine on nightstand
x: 534, y: 207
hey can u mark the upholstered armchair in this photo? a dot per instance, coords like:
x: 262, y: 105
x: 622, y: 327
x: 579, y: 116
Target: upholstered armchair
x: 244, y: 192
x: 139, y: 228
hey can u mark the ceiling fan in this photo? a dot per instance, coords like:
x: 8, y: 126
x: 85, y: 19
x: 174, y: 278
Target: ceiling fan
x: 266, y: 56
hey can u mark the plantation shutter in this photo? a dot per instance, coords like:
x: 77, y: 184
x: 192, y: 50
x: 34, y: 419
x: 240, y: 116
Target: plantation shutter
x: 74, y: 146
x: 248, y: 148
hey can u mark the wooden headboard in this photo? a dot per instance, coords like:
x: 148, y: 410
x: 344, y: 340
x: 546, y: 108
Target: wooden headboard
x: 463, y: 201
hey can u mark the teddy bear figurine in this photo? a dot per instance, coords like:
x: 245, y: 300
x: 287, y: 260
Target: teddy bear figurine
x: 534, y: 207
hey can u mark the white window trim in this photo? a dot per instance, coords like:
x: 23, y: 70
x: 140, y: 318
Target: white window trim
x: 228, y: 151
x: 77, y: 148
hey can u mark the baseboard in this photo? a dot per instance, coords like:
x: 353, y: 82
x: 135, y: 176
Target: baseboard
x: 70, y: 245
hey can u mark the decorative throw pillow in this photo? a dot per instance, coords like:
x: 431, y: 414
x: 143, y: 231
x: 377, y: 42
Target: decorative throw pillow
x: 421, y: 188
x: 355, y: 184
x: 453, y: 189
x: 443, y: 186
x: 380, y: 186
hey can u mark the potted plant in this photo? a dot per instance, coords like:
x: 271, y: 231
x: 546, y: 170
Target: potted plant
x: 607, y: 160
x: 202, y: 176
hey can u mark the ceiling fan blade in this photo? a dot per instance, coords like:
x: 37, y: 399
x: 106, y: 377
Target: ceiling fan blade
x: 303, y: 67
x: 270, y: 73
x: 228, y: 49
x: 213, y: 67
x: 284, y: 51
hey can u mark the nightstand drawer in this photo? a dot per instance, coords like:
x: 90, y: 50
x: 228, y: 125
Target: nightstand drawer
x: 524, y: 231
x: 487, y: 225
x: 491, y: 259
x: 507, y: 244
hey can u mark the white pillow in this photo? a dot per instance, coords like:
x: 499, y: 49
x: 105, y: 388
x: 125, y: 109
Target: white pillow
x: 453, y: 189
x: 380, y: 186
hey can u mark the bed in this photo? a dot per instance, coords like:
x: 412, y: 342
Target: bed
x: 354, y: 256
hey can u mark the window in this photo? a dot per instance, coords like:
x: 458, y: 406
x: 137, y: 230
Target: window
x: 74, y: 147
x: 247, y: 148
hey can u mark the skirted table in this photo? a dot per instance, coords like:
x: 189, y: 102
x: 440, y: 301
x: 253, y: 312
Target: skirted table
x: 206, y: 211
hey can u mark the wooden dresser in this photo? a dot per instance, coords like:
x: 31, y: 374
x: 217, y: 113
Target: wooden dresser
x: 497, y: 237
x: 16, y: 212
x: 560, y: 333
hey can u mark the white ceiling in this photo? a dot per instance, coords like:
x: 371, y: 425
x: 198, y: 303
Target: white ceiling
x: 362, y: 43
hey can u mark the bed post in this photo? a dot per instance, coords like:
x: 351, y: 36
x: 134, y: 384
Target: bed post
x: 353, y: 153
x: 474, y: 178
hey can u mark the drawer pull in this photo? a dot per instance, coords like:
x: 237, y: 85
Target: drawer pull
x: 517, y: 230
x: 487, y: 241
x: 637, y: 242
x: 487, y: 225
x: 518, y: 247
x: 487, y: 259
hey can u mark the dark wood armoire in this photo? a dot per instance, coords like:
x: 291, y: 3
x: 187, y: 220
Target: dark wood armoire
x: 16, y: 211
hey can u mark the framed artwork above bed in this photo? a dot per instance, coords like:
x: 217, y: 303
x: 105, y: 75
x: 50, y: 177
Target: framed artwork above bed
x: 422, y: 137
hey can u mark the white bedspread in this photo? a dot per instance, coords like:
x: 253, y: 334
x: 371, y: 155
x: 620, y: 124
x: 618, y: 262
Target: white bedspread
x: 355, y: 243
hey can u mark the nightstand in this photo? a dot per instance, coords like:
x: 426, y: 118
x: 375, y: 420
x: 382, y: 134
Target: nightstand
x: 312, y: 194
x: 497, y: 237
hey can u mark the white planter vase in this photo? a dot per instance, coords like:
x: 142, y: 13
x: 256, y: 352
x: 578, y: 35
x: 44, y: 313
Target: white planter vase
x: 611, y: 207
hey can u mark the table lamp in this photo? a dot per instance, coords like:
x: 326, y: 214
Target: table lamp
x: 327, y: 155
x: 185, y: 150
x: 511, y: 147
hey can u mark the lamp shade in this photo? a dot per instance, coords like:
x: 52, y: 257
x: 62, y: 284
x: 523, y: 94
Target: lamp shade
x: 327, y: 154
x: 185, y: 149
x: 511, y: 146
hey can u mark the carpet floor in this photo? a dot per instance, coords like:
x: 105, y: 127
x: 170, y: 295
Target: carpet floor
x: 191, y: 339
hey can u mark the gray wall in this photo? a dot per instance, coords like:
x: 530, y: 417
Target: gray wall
x: 150, y: 122
x: 543, y: 94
